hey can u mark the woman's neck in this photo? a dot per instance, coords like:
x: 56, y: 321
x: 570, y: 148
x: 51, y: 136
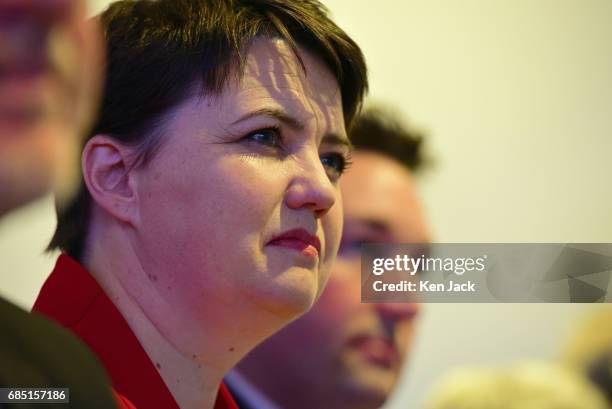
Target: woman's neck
x: 192, y: 344
x: 193, y: 379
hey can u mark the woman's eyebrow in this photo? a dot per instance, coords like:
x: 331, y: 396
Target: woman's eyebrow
x: 276, y: 113
x: 295, y: 124
x: 335, y: 139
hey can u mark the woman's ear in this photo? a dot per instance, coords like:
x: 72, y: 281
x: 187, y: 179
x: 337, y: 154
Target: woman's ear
x: 107, y: 171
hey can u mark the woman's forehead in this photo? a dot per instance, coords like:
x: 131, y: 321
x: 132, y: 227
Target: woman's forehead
x: 272, y: 68
x: 273, y: 80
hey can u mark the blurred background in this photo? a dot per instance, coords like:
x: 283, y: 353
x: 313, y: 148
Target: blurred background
x: 515, y: 98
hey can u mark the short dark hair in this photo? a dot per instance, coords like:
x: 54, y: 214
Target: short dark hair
x: 158, y: 50
x: 378, y: 130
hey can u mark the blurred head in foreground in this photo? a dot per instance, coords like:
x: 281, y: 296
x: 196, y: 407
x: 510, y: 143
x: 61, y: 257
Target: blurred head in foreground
x: 344, y: 353
x: 50, y: 59
x: 527, y: 386
x: 589, y: 351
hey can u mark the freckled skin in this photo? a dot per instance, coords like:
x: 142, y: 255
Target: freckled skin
x: 205, y: 209
x: 310, y: 363
x: 216, y: 200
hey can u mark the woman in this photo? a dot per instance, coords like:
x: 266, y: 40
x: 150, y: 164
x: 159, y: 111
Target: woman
x: 209, y: 215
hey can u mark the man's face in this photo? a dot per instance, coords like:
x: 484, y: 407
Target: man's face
x: 240, y: 212
x: 49, y: 63
x: 350, y: 350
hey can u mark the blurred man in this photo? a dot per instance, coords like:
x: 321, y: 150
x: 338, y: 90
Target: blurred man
x: 49, y: 57
x: 344, y: 353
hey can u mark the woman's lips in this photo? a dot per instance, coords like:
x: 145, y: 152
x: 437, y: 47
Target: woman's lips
x: 300, y: 240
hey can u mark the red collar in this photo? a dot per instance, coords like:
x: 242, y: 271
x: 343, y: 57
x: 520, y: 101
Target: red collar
x: 72, y: 297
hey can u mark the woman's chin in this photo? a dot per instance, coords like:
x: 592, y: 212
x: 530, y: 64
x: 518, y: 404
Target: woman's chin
x: 289, y: 294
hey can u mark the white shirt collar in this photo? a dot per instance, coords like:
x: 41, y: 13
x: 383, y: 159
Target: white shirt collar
x: 248, y: 392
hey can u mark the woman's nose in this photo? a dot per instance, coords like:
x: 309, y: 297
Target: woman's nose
x: 311, y: 188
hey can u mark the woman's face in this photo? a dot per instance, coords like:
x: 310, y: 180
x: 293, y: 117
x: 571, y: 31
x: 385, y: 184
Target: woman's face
x: 244, y: 187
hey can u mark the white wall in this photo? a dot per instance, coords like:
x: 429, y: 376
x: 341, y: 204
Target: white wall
x: 516, y: 96
x: 24, y: 265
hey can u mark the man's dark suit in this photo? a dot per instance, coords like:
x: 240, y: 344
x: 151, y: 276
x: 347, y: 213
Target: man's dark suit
x: 34, y: 352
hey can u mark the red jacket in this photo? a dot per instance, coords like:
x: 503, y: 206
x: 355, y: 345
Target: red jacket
x: 73, y: 298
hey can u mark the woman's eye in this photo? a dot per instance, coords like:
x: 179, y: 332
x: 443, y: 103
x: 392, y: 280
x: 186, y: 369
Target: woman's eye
x: 268, y: 137
x: 335, y: 164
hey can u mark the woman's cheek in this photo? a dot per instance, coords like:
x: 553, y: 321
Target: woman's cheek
x: 251, y: 174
